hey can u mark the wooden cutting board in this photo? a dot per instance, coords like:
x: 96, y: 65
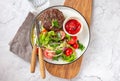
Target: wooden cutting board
x: 71, y: 70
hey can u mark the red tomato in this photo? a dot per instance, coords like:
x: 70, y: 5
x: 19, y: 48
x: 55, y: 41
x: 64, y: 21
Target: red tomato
x: 72, y: 40
x: 48, y: 54
x: 68, y: 51
x: 75, y: 45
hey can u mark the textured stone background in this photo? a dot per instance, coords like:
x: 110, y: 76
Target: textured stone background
x: 101, y: 62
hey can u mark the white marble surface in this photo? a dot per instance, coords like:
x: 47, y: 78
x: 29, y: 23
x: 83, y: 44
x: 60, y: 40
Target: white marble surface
x: 101, y: 62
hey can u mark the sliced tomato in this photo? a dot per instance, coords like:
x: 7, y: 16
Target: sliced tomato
x: 48, y: 54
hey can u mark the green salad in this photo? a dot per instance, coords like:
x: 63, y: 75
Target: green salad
x: 59, y: 45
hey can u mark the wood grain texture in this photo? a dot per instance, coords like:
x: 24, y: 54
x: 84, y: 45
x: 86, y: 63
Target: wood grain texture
x: 71, y: 70
x: 41, y: 63
x: 83, y: 6
x: 33, y: 59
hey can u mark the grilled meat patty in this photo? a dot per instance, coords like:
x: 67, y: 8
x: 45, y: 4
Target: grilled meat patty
x: 52, y: 19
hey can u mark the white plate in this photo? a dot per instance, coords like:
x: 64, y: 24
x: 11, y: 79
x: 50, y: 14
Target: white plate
x: 83, y: 37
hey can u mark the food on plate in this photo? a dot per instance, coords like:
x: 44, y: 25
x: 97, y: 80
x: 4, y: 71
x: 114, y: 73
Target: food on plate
x: 56, y: 44
x: 52, y: 19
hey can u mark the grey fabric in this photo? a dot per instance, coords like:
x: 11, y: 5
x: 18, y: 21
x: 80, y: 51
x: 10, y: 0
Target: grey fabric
x: 20, y: 45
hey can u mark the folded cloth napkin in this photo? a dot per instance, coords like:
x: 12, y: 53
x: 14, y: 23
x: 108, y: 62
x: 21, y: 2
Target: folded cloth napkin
x: 20, y: 45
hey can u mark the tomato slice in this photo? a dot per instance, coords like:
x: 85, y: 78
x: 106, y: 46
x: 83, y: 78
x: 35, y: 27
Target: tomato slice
x: 48, y: 54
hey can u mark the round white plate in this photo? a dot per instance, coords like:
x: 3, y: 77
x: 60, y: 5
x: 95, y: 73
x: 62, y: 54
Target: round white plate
x: 83, y: 37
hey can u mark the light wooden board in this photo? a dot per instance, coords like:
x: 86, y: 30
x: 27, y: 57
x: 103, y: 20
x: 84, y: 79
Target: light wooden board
x: 71, y: 70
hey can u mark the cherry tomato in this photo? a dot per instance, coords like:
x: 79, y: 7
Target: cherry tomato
x: 47, y: 54
x: 75, y: 45
x: 68, y: 51
x: 72, y: 40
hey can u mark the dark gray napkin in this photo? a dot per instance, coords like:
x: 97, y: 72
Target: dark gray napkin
x: 20, y: 45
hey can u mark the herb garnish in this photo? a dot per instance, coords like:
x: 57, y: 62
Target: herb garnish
x: 55, y: 23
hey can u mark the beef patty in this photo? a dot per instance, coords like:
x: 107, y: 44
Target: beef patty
x: 52, y: 19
